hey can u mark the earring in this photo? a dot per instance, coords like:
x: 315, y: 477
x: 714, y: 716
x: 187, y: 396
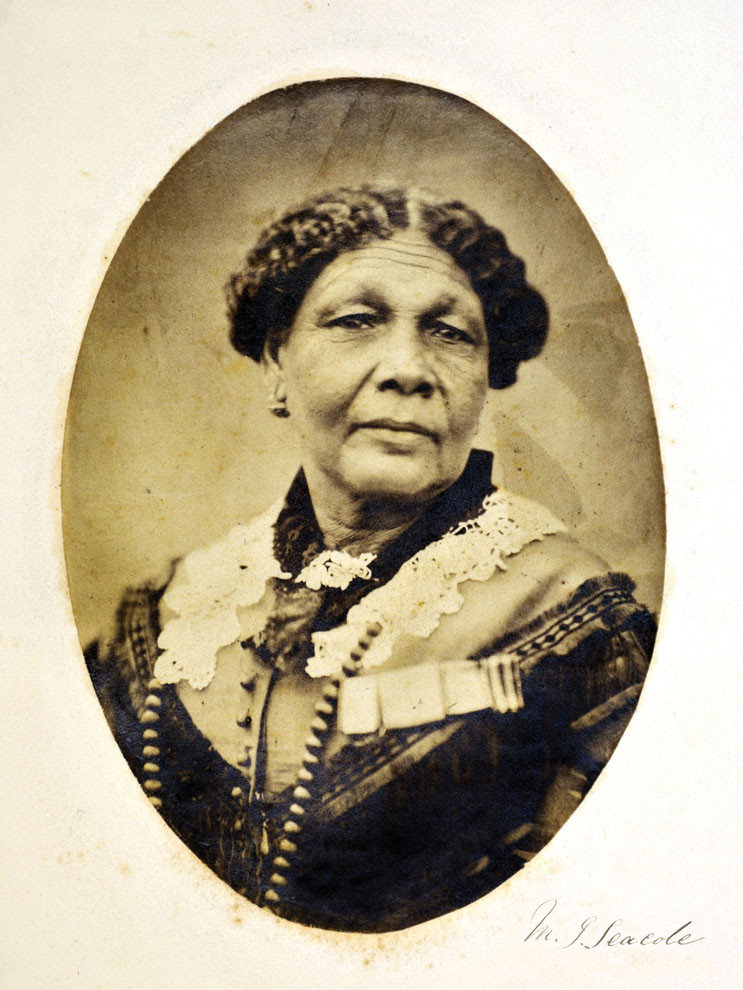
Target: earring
x: 277, y: 406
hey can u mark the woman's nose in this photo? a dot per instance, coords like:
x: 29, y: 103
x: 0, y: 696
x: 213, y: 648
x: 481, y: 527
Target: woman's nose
x: 404, y: 364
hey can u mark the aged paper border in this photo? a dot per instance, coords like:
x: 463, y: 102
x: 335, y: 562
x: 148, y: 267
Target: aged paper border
x: 634, y: 109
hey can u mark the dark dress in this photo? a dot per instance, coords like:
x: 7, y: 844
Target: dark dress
x: 418, y: 814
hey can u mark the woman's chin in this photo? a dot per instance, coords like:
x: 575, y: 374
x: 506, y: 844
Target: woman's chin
x: 396, y: 479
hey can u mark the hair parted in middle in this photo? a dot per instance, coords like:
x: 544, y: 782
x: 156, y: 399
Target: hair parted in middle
x: 265, y: 294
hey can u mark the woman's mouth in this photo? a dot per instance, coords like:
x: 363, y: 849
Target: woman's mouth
x: 398, y: 426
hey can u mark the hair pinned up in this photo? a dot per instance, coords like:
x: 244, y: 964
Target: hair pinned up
x: 264, y: 296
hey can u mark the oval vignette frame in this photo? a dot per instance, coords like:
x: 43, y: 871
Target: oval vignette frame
x: 168, y: 430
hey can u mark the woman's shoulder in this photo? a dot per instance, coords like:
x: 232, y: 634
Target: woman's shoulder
x: 545, y: 597
x: 187, y: 590
x: 545, y: 578
x: 219, y: 593
x: 557, y: 613
x: 485, y: 576
x: 220, y: 564
x: 547, y: 550
x: 122, y: 659
x: 541, y: 566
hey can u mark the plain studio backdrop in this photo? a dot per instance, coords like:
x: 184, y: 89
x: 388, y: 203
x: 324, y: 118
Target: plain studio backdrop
x: 636, y: 107
x: 169, y: 441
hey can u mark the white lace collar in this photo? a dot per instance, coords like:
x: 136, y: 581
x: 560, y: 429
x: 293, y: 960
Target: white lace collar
x: 224, y: 593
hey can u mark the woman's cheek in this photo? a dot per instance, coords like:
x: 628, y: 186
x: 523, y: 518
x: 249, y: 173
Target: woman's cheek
x: 464, y: 403
x: 327, y: 410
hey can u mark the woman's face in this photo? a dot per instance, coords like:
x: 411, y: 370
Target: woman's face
x: 385, y: 371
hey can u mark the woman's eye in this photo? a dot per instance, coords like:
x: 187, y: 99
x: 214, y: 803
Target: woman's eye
x: 447, y: 332
x: 354, y: 321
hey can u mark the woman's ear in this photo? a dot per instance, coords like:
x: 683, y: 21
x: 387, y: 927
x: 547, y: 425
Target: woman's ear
x: 271, y: 366
x: 270, y: 361
x: 274, y: 376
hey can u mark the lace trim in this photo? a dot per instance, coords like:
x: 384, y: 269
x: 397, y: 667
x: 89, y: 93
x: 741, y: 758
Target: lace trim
x: 223, y: 592
x: 223, y: 598
x: 335, y: 569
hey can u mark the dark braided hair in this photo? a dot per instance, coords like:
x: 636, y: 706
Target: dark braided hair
x: 264, y: 296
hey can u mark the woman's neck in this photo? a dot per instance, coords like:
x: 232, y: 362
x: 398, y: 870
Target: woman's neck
x: 359, y: 525
x: 356, y: 540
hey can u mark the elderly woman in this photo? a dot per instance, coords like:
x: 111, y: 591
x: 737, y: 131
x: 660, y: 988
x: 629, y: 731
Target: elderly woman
x: 371, y: 704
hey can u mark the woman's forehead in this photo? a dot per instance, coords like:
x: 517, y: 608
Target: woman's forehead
x: 405, y: 259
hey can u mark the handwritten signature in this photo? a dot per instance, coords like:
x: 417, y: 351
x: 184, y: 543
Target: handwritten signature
x: 591, y: 933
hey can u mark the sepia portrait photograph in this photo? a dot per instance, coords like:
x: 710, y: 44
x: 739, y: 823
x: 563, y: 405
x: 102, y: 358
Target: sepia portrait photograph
x: 363, y: 504
x: 370, y: 389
